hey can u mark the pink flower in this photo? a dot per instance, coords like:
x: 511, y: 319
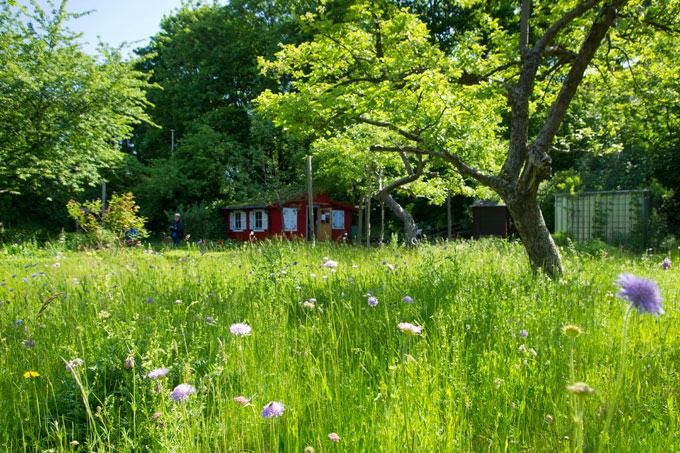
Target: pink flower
x: 242, y: 400
x: 410, y: 329
x: 334, y: 437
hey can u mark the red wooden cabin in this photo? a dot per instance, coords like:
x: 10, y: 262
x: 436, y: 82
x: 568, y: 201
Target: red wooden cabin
x: 332, y: 219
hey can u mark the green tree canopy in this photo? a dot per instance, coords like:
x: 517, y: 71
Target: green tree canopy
x: 63, y: 113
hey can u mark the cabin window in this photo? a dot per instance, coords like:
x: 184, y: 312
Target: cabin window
x: 237, y: 221
x: 338, y: 222
x: 258, y: 220
x: 289, y: 219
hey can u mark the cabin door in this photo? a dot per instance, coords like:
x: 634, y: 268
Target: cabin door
x: 324, y: 224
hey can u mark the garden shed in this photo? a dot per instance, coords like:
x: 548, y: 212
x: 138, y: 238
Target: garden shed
x: 491, y: 218
x: 612, y: 216
x: 259, y: 220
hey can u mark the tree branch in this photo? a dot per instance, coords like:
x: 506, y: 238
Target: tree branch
x: 406, y: 134
x: 412, y: 176
x: 573, y: 79
x: 524, y: 27
x: 562, y: 22
x: 463, y: 168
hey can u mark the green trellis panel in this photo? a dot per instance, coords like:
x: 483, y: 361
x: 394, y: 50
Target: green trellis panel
x: 610, y: 216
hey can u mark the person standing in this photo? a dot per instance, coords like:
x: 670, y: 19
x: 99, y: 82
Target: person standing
x: 176, y: 230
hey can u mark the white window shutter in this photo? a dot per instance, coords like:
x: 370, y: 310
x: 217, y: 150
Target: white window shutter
x: 252, y: 220
x: 232, y: 222
x: 265, y: 218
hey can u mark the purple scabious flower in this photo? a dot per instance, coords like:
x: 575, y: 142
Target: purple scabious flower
x: 666, y: 263
x: 523, y: 333
x: 408, y: 299
x: 373, y: 301
x: 240, y: 329
x: 273, y: 409
x: 182, y: 392
x: 642, y: 294
x: 157, y: 373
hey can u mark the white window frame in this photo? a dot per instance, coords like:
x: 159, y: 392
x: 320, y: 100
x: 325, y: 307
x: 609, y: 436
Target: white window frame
x: 263, y: 220
x: 242, y: 220
x: 338, y: 219
x: 290, y: 223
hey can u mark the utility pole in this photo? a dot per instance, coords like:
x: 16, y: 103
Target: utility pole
x: 310, y: 201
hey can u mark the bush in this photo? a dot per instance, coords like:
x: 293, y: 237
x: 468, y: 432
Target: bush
x: 115, y: 225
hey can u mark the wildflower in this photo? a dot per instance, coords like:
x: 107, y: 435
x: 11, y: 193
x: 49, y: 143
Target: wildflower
x: 372, y: 301
x: 642, y: 294
x: 157, y: 373
x: 523, y: 333
x: 31, y: 374
x: 73, y: 364
x: 329, y: 263
x: 309, y: 303
x: 498, y: 382
x: 129, y: 362
x: 309, y: 449
x: 182, y: 392
x: 19, y: 322
x: 549, y: 419
x: 273, y: 409
x: 666, y: 263
x: 334, y: 437
x: 28, y: 343
x: 242, y: 400
x: 407, y: 299
x: 56, y: 265
x: 149, y: 300
x: 178, y: 301
x: 571, y: 330
x: 240, y: 329
x: 209, y: 320
x: 409, y: 328
x: 580, y: 388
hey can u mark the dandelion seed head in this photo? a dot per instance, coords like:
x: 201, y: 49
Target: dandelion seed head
x: 580, y: 388
x: 571, y: 330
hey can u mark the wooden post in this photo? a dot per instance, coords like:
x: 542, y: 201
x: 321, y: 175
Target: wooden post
x: 360, y: 224
x: 310, y: 202
x: 382, y: 209
x: 448, y: 214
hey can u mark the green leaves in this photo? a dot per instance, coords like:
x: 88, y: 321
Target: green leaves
x: 63, y: 112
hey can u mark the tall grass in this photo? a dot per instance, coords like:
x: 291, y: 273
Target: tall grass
x: 489, y: 372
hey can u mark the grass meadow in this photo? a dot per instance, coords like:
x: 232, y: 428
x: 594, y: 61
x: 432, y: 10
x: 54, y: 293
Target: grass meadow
x: 489, y: 372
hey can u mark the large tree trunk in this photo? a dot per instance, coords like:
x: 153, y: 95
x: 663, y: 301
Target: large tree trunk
x: 535, y: 236
x: 403, y: 215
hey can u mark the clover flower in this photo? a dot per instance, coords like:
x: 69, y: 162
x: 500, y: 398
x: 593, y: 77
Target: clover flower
x: 273, y: 409
x: 182, y: 392
x: 329, y: 263
x: 641, y: 293
x: 242, y: 400
x: 409, y: 328
x: 240, y: 329
x: 73, y: 364
x: 157, y: 373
